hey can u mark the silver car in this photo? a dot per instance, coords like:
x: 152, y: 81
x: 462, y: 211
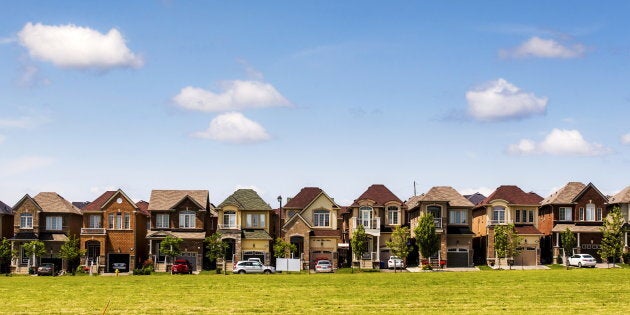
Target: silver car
x: 248, y: 266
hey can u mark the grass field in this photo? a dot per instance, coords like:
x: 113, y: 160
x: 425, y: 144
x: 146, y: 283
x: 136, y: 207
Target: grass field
x: 541, y: 291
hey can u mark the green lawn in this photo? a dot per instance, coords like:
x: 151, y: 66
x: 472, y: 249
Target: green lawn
x: 550, y: 291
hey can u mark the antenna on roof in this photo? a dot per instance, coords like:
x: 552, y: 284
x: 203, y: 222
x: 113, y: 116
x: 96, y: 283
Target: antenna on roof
x: 414, y: 188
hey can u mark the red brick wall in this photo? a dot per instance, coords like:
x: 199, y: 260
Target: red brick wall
x: 593, y: 196
x: 545, y: 218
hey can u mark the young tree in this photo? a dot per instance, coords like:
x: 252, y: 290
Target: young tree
x: 70, y: 252
x: 34, y: 249
x: 359, y: 242
x: 612, y: 233
x: 215, y: 246
x: 399, y: 243
x: 170, y: 246
x: 568, y: 243
x: 6, y: 253
x: 283, y: 249
x: 506, y: 242
x: 427, y: 239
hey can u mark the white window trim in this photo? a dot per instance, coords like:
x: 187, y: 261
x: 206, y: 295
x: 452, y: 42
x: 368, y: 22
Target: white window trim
x: 26, y: 221
x: 54, y: 223
x: 187, y: 219
x: 393, y: 210
x: 323, y: 216
x: 231, y: 215
x: 159, y: 224
x: 568, y: 214
x: 455, y: 214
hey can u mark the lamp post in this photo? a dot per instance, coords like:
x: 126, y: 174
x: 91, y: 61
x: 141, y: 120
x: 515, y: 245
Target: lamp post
x: 279, y: 217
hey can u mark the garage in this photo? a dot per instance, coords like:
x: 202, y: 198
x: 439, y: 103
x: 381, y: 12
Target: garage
x: 319, y: 255
x: 591, y: 249
x: 118, y: 261
x: 191, y: 257
x: 457, y: 257
x: 254, y: 254
x: 527, y: 257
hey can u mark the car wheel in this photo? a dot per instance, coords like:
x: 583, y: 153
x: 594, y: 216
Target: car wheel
x: 240, y: 272
x: 579, y: 265
x: 267, y: 272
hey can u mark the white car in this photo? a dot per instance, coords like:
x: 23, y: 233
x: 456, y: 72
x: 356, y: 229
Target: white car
x: 582, y: 260
x: 395, y: 262
x: 323, y: 266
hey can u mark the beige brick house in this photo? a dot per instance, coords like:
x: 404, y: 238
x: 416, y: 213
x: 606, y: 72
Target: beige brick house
x: 114, y: 231
x: 183, y: 214
x: 47, y: 217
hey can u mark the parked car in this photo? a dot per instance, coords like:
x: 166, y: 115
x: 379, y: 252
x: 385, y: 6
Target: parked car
x: 254, y: 259
x: 395, y: 262
x: 247, y: 266
x: 582, y: 260
x: 46, y: 269
x: 181, y: 266
x: 323, y: 266
x: 119, y: 266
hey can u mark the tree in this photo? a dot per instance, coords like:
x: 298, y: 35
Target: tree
x: 612, y: 233
x: 399, y: 243
x: 70, y: 252
x: 283, y: 249
x: 6, y: 253
x: 216, y: 246
x: 170, y: 246
x: 427, y: 239
x: 359, y: 242
x: 34, y: 249
x: 506, y: 242
x: 568, y: 243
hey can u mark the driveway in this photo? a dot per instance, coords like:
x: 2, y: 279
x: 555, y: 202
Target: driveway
x: 458, y: 269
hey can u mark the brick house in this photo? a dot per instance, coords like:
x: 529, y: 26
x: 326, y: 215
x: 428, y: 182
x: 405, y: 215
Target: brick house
x: 114, y: 231
x: 578, y: 207
x: 183, y: 214
x: 245, y: 226
x: 49, y: 218
x: 622, y: 199
x: 379, y: 211
x: 507, y: 204
x: 452, y: 215
x: 6, y: 221
x: 311, y: 225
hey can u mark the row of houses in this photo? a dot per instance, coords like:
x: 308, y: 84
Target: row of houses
x: 113, y: 229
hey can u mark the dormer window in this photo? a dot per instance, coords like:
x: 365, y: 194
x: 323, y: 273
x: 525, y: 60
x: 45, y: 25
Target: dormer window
x: 26, y: 221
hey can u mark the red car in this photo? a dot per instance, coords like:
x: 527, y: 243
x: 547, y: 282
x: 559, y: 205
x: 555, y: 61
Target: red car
x: 181, y: 266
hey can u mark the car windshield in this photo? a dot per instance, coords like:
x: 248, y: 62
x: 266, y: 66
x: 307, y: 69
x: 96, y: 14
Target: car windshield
x: 587, y: 256
x: 394, y: 257
x: 323, y: 262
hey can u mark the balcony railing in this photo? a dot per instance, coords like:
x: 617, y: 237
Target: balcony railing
x: 369, y: 224
x: 227, y: 226
x: 498, y: 222
x: 99, y: 231
x: 437, y: 222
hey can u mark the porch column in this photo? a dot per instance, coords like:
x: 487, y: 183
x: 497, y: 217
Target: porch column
x: 557, y: 239
x: 151, y: 250
x: 626, y: 239
x: 579, y: 245
x: 12, y: 250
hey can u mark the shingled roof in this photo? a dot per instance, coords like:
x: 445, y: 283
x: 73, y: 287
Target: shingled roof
x: 475, y: 198
x: 413, y: 201
x: 304, y: 198
x: 167, y: 199
x: 379, y: 194
x: 514, y: 195
x: 102, y: 200
x: 565, y: 194
x: 52, y: 202
x: 4, y: 209
x: 245, y: 199
x: 446, y: 193
x: 143, y: 207
x: 621, y: 197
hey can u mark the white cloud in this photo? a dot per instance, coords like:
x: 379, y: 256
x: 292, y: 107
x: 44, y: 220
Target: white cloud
x: 233, y: 127
x: 24, y: 164
x: 559, y: 142
x: 72, y: 46
x: 501, y: 100
x: 236, y: 95
x: 537, y: 47
x: 625, y: 139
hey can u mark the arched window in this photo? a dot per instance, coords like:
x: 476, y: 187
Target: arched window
x: 393, y: 215
x: 321, y: 218
x: 365, y: 216
x: 498, y: 215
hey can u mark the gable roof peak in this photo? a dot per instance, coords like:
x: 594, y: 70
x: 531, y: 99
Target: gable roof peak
x: 380, y: 194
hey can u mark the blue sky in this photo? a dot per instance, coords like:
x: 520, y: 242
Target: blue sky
x: 339, y: 94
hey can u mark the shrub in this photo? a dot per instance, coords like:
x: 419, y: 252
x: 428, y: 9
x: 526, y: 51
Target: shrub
x: 626, y: 258
x: 559, y: 259
x: 427, y: 267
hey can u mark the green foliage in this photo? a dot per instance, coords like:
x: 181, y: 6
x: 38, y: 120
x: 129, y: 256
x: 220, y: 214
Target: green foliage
x: 359, y: 241
x: 612, y: 236
x: 5, y: 251
x: 427, y: 239
x: 215, y: 246
x: 283, y: 249
x: 70, y: 250
x: 170, y: 246
x: 145, y: 271
x: 399, y: 242
x: 568, y: 243
x: 36, y: 248
x: 506, y: 242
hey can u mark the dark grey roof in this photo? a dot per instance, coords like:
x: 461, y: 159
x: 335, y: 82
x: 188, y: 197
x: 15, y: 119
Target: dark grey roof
x: 4, y: 209
x: 458, y: 230
x: 24, y: 236
x: 80, y: 204
x: 475, y: 198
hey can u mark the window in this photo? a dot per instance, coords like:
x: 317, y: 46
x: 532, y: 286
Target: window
x: 498, y: 215
x: 255, y: 220
x: 127, y: 221
x: 436, y: 211
x: 26, y: 221
x: 564, y: 214
x: 119, y: 221
x: 531, y: 216
x: 321, y: 218
x: 392, y: 215
x: 110, y: 221
x: 53, y: 223
x: 161, y: 221
x: 457, y: 217
x: 581, y: 214
x: 94, y: 221
x: 598, y: 214
x: 590, y: 212
x: 187, y: 219
x: 365, y: 216
x: 229, y: 219
x: 518, y: 215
